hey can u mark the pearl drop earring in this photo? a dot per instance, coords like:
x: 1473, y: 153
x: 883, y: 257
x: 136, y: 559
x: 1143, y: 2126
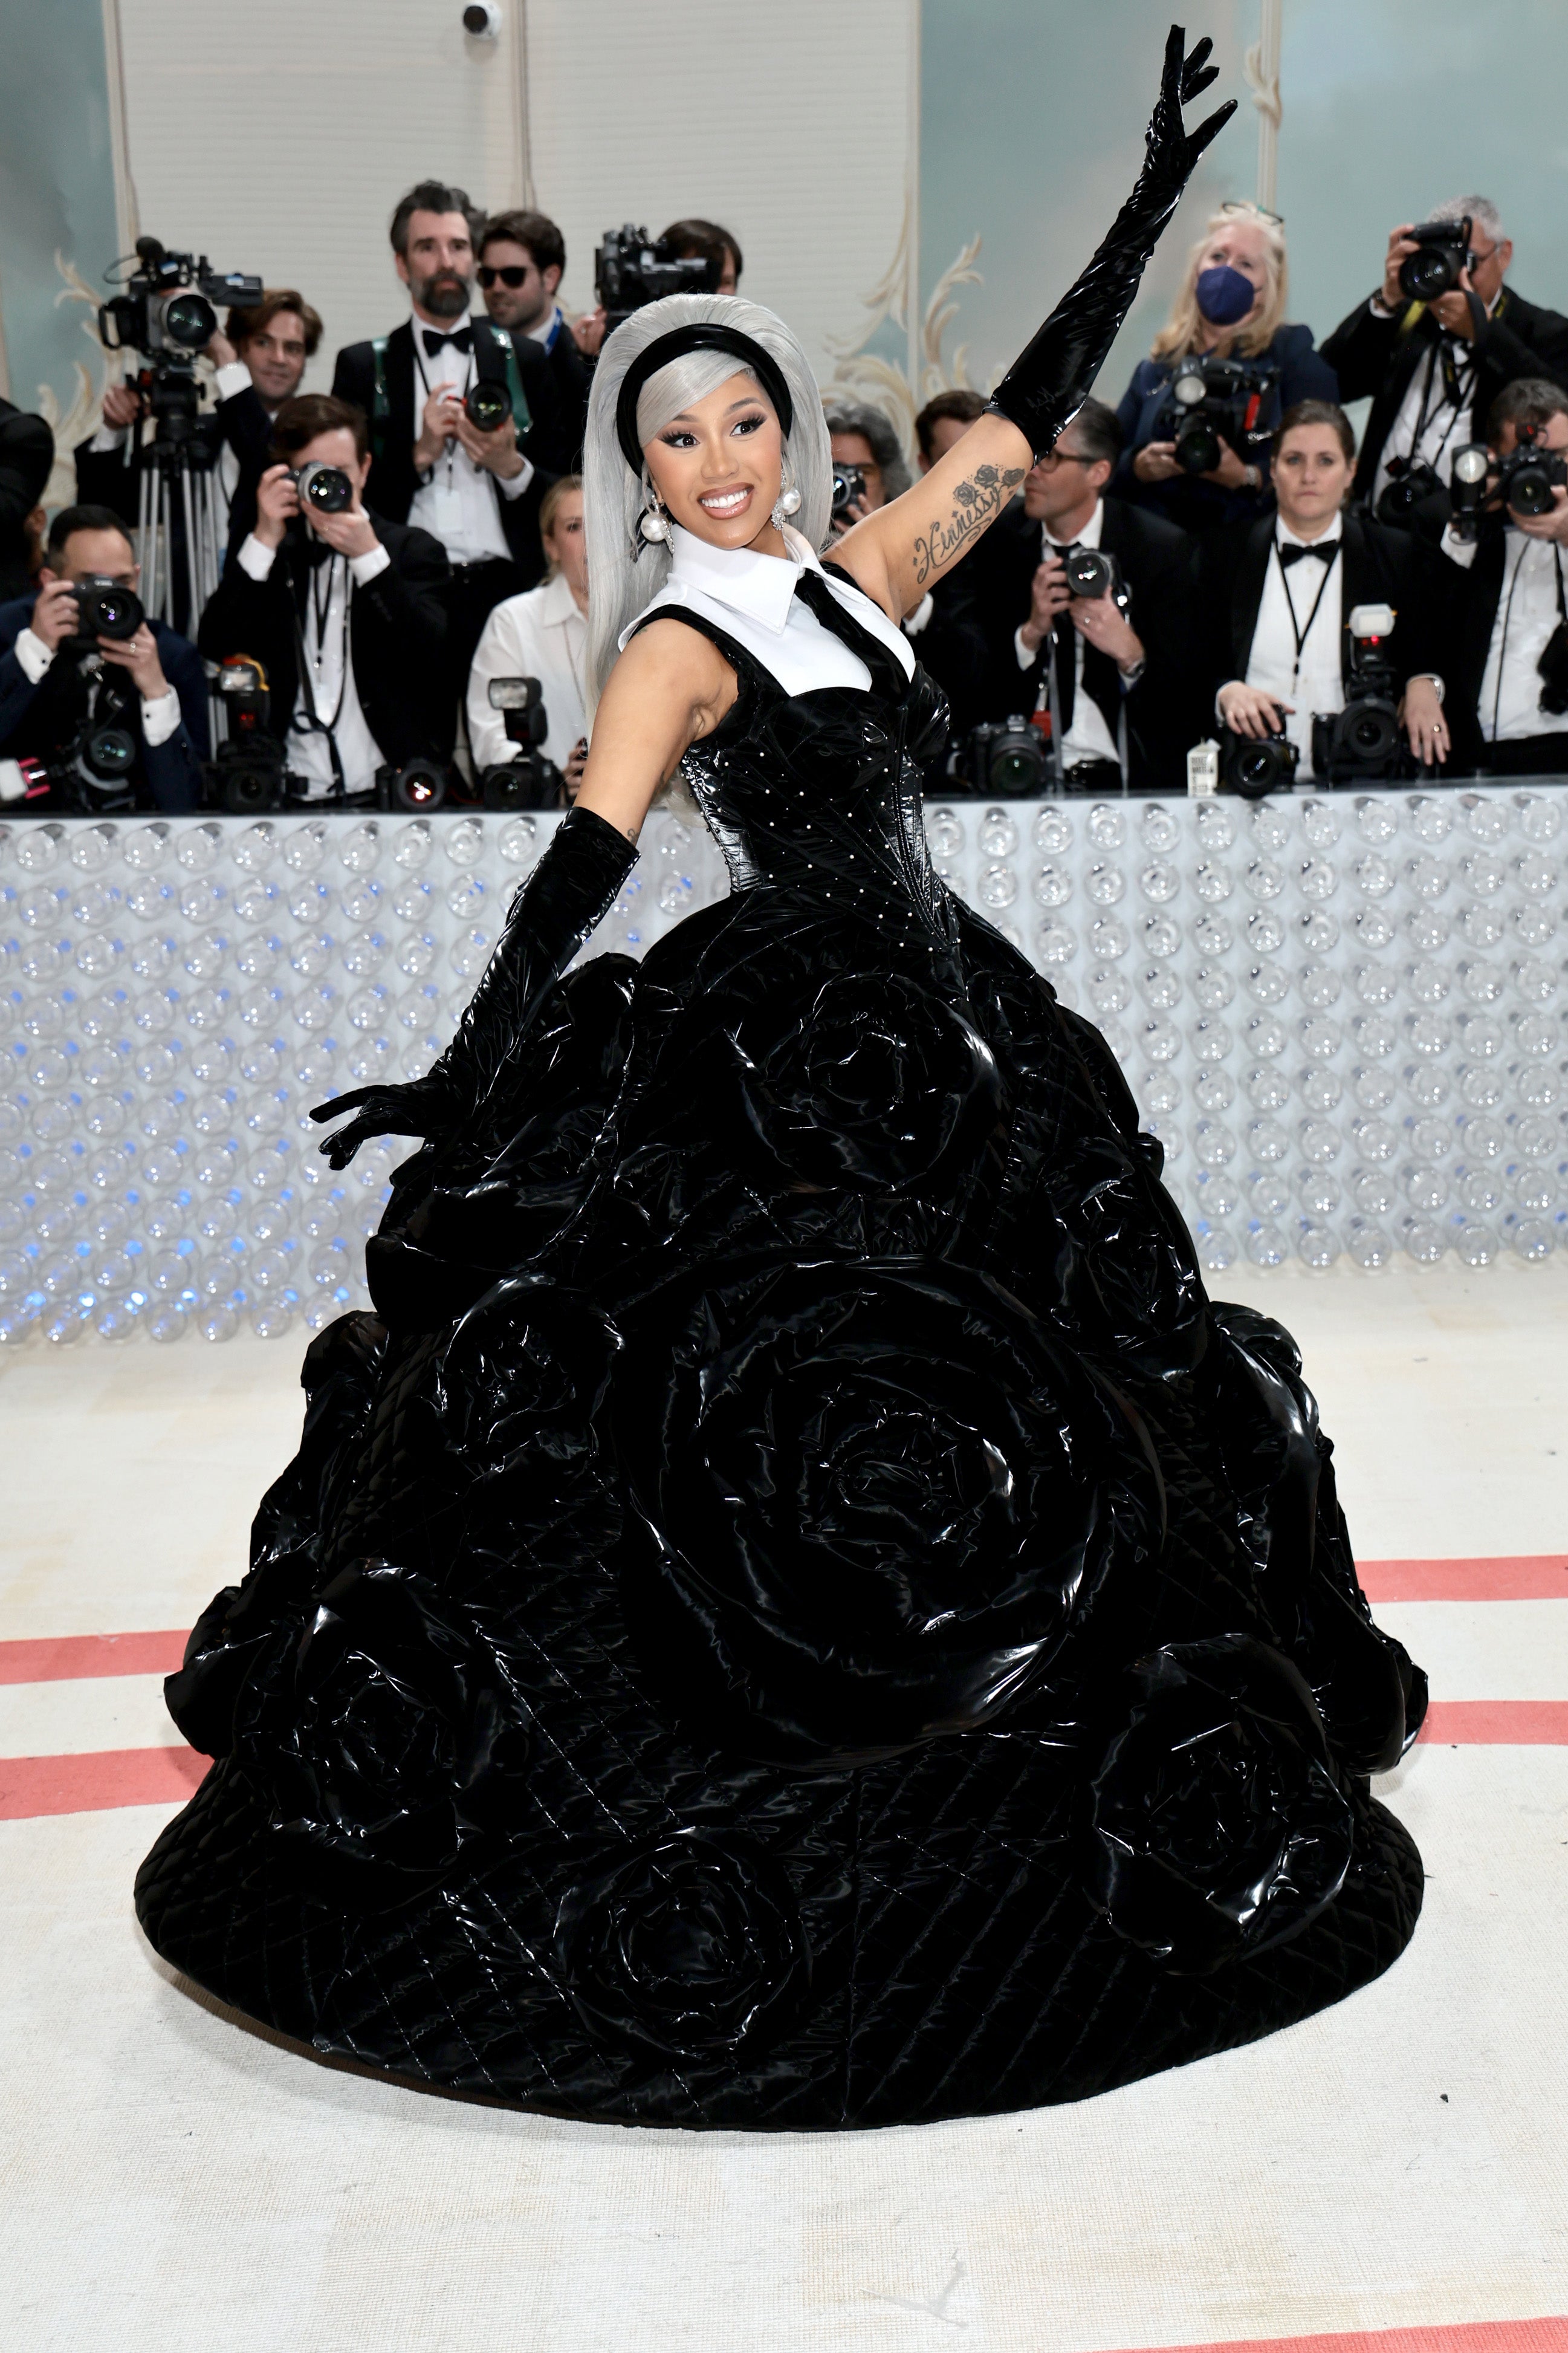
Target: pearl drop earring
x: 787, y: 504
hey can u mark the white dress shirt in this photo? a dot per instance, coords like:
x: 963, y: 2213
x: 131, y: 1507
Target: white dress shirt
x: 1088, y: 737
x: 159, y: 718
x: 1445, y: 427
x: 457, y: 504
x: 1318, y: 684
x: 751, y: 598
x: 327, y: 643
x: 540, y: 634
x: 1526, y: 614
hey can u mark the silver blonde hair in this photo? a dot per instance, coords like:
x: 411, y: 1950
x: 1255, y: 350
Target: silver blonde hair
x: 613, y: 497
x: 1181, y: 331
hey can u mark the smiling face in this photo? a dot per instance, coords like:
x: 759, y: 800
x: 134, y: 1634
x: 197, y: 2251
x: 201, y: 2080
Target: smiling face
x: 718, y: 467
x: 1311, y: 479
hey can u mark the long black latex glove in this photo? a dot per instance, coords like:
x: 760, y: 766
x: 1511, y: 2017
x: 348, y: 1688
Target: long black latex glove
x: 1049, y: 381
x: 567, y: 895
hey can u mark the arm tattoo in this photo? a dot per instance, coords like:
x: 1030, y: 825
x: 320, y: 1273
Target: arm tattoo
x: 978, y: 502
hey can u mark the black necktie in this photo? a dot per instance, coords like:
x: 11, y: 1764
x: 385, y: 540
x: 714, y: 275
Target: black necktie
x: 1325, y: 550
x: 461, y: 339
x: 886, y: 672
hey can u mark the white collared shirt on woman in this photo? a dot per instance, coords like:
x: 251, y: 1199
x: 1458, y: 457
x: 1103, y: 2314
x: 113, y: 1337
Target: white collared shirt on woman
x: 540, y: 635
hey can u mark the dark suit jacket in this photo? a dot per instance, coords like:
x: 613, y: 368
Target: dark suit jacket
x: 108, y: 478
x: 393, y: 481
x: 1379, y: 565
x: 1468, y: 598
x: 1379, y: 356
x: 1155, y: 563
x: 397, y: 626
x: 26, y: 460
x: 1198, y: 506
x: 39, y: 720
x: 573, y: 378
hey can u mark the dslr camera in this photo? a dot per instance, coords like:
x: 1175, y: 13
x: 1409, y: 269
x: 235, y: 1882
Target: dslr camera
x: 1364, y: 739
x: 1006, y: 759
x: 1090, y: 573
x: 632, y: 269
x: 488, y: 404
x: 1411, y: 481
x: 1523, y: 481
x: 529, y: 780
x: 105, y: 609
x: 1212, y: 401
x: 1443, y: 252
x: 250, y: 775
x: 168, y: 310
x: 326, y: 490
x: 1254, y: 765
x: 848, y: 484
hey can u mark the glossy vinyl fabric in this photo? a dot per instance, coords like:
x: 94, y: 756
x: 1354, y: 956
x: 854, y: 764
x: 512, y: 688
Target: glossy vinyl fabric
x: 796, y: 1611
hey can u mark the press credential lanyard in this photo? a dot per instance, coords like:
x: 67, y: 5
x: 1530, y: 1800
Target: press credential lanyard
x: 1301, y: 634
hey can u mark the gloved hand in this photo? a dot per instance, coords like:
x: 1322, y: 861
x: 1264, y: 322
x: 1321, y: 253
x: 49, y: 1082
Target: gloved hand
x: 563, y: 901
x: 1049, y: 381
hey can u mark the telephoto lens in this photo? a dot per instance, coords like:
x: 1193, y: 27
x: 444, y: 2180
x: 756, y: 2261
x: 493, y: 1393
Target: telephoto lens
x: 186, y: 322
x: 488, y: 406
x: 105, y: 609
x: 327, y: 488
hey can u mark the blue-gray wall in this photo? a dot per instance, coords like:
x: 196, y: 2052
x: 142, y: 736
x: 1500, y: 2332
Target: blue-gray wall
x: 56, y: 191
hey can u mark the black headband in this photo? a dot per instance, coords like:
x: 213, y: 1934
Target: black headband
x: 704, y: 335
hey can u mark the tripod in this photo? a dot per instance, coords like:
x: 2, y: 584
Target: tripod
x: 177, y: 503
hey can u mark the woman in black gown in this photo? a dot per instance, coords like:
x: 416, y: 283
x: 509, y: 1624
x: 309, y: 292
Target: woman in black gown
x: 795, y: 1610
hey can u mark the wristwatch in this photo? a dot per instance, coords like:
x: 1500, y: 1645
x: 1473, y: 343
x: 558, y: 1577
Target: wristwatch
x: 1251, y: 476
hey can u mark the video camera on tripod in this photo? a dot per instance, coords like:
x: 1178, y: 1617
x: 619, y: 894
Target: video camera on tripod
x: 167, y: 311
x: 632, y: 269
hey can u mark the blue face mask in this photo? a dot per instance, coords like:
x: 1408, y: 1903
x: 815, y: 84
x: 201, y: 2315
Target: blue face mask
x: 1225, y: 296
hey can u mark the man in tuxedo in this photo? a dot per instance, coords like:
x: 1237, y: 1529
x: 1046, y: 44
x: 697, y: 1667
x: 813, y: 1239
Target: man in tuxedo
x: 1434, y: 370
x: 476, y: 491
x: 1110, y: 676
x: 27, y: 461
x: 259, y: 356
x: 523, y: 256
x: 56, y: 688
x: 1275, y: 596
x: 343, y: 612
x: 1505, y: 612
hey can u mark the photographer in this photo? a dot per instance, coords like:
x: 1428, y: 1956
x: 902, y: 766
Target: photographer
x: 1276, y: 597
x: 866, y: 442
x: 57, y: 687
x: 1113, y: 670
x: 343, y: 611
x: 704, y: 241
x: 1435, y: 369
x: 260, y: 359
x: 1505, y: 613
x: 543, y: 635
x: 474, y: 487
x: 522, y: 257
x: 1230, y: 307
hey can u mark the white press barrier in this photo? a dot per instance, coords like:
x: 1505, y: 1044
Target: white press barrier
x: 1339, y: 1014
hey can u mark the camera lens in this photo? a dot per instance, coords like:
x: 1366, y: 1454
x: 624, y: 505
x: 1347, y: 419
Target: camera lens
x: 189, y: 322
x: 1258, y: 768
x: 246, y: 792
x: 1432, y: 270
x: 420, y: 786
x: 327, y: 488
x: 1088, y: 573
x: 1197, y: 446
x: 1530, y: 492
x: 1016, y: 769
x: 488, y: 405
x: 108, y: 755
x: 111, y: 612
x: 1372, y: 735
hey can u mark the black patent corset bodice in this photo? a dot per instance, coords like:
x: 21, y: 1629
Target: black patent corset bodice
x: 821, y: 791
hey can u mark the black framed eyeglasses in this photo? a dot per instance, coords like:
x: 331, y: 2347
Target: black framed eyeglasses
x: 514, y: 275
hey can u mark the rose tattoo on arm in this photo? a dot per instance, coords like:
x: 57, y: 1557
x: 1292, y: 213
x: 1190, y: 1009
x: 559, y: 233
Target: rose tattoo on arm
x: 977, y: 501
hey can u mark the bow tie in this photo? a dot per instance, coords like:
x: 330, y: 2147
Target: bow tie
x: 461, y: 339
x: 1325, y: 550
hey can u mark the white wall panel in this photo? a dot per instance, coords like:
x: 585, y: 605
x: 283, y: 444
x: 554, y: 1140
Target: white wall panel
x: 277, y: 138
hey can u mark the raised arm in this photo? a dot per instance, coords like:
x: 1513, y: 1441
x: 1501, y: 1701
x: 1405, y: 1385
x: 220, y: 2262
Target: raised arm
x: 897, y: 552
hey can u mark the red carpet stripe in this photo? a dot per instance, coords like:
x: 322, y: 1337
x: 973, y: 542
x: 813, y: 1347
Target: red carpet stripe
x: 1498, y: 1723
x: 31, y: 1786
x: 1519, y: 1576
x: 1547, y: 2335
x: 65, y: 1658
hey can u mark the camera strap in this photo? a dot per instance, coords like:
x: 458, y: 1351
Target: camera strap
x: 1302, y: 634
x: 380, y: 401
x: 310, y: 720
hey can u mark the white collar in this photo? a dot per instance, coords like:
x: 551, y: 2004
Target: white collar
x: 1087, y: 537
x: 1289, y: 538
x: 761, y: 587
x: 556, y: 602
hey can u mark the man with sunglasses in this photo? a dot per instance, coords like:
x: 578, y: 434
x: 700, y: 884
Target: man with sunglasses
x: 522, y: 257
x: 1434, y: 369
x: 1107, y: 678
